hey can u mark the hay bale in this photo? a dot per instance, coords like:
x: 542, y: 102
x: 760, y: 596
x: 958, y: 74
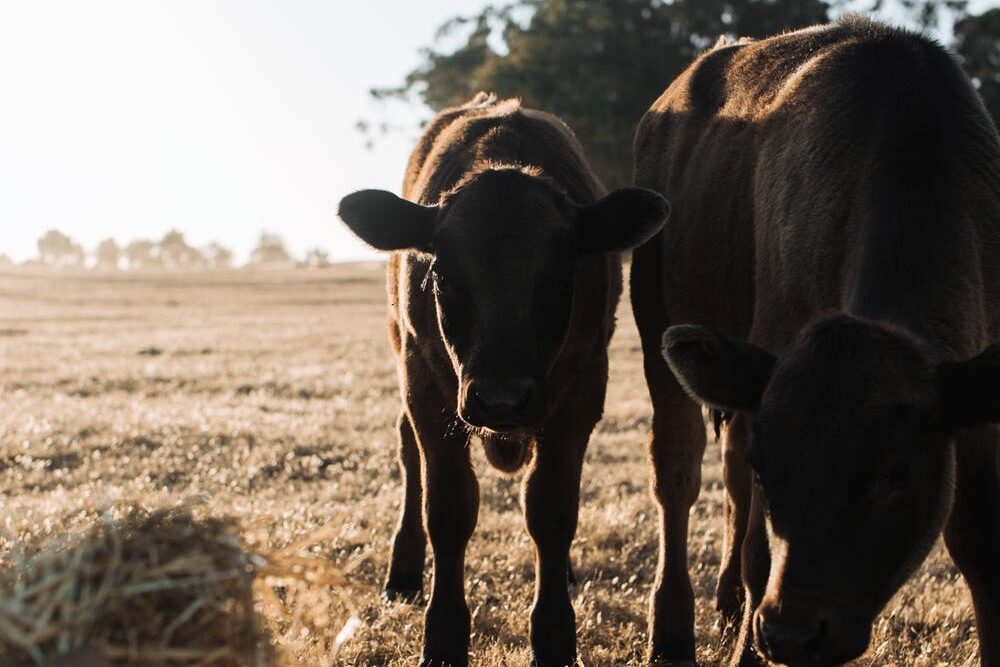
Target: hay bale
x: 156, y: 589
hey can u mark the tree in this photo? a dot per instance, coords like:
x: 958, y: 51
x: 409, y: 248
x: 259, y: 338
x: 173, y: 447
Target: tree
x: 977, y: 42
x: 57, y: 249
x: 317, y: 259
x: 270, y: 251
x: 143, y: 254
x: 927, y: 15
x: 176, y: 253
x: 108, y: 254
x: 217, y: 256
x: 597, y: 64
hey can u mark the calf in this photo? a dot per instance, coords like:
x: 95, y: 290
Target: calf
x: 836, y: 204
x: 502, y: 289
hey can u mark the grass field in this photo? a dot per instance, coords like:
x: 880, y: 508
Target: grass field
x: 271, y: 397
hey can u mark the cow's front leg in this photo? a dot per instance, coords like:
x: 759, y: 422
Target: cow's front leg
x: 973, y: 533
x: 756, y: 566
x: 406, y: 565
x: 738, y: 478
x: 451, y: 507
x: 551, y: 501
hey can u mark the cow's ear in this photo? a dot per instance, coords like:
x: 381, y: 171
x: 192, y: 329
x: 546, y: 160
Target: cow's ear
x: 622, y: 220
x: 387, y: 222
x: 970, y: 390
x: 716, y: 370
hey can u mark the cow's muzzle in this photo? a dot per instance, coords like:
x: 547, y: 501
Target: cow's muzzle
x: 502, y: 404
x: 803, y: 637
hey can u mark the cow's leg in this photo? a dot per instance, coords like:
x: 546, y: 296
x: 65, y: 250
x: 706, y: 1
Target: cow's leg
x: 406, y: 565
x: 551, y: 499
x: 973, y: 532
x: 451, y: 507
x: 756, y: 566
x: 450, y: 510
x: 675, y: 451
x: 736, y: 470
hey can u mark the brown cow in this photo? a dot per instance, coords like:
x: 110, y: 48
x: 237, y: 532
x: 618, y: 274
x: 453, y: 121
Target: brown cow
x: 836, y: 203
x: 502, y: 295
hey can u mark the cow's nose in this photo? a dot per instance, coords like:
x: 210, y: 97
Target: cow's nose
x: 790, y: 638
x: 501, y: 403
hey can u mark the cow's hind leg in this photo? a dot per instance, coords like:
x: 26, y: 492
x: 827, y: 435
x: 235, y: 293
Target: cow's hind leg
x: 406, y: 564
x: 675, y: 451
x: 736, y: 470
x: 973, y: 533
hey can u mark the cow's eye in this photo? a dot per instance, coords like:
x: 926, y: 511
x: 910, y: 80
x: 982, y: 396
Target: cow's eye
x: 554, y: 290
x: 897, y: 477
x: 439, y: 277
x: 445, y: 285
x: 753, y: 448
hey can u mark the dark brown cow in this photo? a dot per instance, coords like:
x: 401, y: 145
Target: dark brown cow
x: 836, y: 203
x: 501, y: 305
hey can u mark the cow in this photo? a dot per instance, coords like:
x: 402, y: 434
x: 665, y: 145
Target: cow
x: 830, y: 283
x: 502, y: 286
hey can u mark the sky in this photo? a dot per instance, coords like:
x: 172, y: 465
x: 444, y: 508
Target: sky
x: 221, y: 118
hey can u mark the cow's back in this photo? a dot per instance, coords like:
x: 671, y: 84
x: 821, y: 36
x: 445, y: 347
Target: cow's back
x: 775, y: 154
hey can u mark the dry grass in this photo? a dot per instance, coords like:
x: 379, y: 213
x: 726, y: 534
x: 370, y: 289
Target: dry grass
x: 151, y: 589
x: 270, y: 397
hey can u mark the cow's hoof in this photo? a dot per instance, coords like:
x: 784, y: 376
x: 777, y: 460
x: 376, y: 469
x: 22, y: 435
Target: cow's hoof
x: 444, y: 662
x: 730, y: 609
x: 403, y: 594
x: 538, y: 660
x: 84, y: 659
x: 748, y: 659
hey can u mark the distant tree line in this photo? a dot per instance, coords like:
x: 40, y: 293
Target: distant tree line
x: 599, y: 64
x: 58, y: 250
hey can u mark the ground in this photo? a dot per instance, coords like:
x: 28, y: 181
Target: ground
x: 271, y: 397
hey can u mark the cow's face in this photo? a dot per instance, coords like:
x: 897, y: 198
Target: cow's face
x: 504, y: 248
x: 851, y: 451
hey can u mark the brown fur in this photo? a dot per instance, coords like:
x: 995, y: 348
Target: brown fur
x: 501, y: 308
x: 847, y: 171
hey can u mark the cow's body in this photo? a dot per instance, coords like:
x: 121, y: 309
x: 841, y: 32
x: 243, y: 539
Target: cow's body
x: 500, y: 315
x: 847, y: 170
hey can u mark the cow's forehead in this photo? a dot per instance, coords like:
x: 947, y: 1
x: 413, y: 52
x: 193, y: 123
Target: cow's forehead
x: 504, y: 234
x: 850, y: 365
x: 499, y: 240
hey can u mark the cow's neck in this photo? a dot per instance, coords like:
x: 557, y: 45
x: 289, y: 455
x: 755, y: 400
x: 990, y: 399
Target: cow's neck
x: 916, y: 265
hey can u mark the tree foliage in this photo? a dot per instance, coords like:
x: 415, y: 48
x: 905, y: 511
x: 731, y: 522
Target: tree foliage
x: 316, y: 258
x: 108, y: 254
x: 270, y: 251
x: 217, y: 256
x: 977, y: 41
x: 599, y: 64
x: 58, y: 249
x: 176, y: 253
x: 143, y: 254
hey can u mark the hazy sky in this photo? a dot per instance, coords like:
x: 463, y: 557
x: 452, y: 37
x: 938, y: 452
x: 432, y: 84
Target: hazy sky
x: 221, y: 118
x: 218, y: 117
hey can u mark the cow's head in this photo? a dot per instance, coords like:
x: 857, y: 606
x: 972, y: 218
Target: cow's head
x: 504, y: 247
x: 851, y: 448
